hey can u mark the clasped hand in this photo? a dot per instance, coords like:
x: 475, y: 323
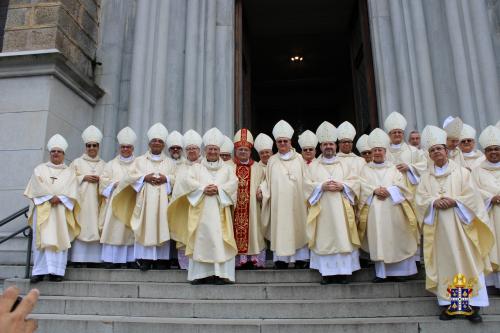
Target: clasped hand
x: 332, y: 186
x: 444, y: 203
x: 211, y: 190
x: 91, y: 178
x: 402, y: 167
x: 382, y: 193
x: 155, y: 179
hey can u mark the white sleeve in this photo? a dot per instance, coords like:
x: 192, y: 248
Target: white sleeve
x: 369, y: 200
x: 40, y: 200
x: 349, y: 194
x: 67, y: 202
x: 464, y: 213
x: 108, y: 190
x: 412, y: 176
x: 396, y: 195
x: 488, y: 204
x: 224, y: 199
x: 316, y: 195
x: 194, y: 197
x: 429, y: 218
x: 137, y: 186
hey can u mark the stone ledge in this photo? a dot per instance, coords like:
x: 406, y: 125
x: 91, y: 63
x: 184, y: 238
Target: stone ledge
x: 49, y: 62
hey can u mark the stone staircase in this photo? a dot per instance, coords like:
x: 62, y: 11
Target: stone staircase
x: 119, y: 301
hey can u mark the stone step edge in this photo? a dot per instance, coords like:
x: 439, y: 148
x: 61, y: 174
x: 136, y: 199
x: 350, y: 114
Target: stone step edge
x: 248, y: 322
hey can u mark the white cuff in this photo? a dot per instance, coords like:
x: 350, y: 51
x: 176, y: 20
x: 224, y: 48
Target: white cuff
x: 108, y: 190
x: 224, y: 199
x: 168, y: 186
x: 194, y: 197
x: 429, y: 218
x: 396, y: 195
x: 137, y: 186
x: 40, y: 200
x: 464, y: 213
x: 369, y: 200
x: 488, y: 204
x: 349, y: 194
x: 412, y: 176
x: 316, y: 195
x: 67, y: 202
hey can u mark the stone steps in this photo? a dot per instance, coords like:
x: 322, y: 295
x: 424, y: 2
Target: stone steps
x: 247, y: 309
x: 257, y: 291
x: 120, y: 324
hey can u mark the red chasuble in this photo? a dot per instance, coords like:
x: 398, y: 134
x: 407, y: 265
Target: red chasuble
x: 241, y: 216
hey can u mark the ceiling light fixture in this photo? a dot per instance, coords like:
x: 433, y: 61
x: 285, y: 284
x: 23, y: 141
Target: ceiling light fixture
x: 297, y: 59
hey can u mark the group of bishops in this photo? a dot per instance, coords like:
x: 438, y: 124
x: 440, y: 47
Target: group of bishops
x: 439, y: 195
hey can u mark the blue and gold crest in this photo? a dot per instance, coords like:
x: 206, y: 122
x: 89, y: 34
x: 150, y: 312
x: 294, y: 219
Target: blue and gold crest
x: 460, y: 293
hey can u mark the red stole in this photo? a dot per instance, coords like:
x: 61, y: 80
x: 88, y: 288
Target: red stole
x: 241, y: 216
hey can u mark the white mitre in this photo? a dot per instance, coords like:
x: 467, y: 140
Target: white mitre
x: 326, y: 132
x: 92, y: 134
x: 262, y: 142
x: 282, y: 129
x: 378, y: 139
x: 308, y: 139
x: 362, y: 144
x: 431, y: 136
x: 126, y: 136
x: 346, y: 131
x: 158, y: 131
x: 395, y: 121
x: 192, y: 138
x: 174, y: 139
x: 213, y: 137
x: 228, y: 146
x: 453, y: 127
x: 468, y: 132
x: 57, y: 141
x: 490, y: 136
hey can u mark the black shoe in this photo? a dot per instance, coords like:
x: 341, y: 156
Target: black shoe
x: 475, y: 317
x: 37, y: 278
x: 79, y: 265
x: 132, y: 265
x: 397, y: 279
x: 161, y: 264
x: 174, y: 263
x: 326, y: 280
x: 144, y: 265
x: 220, y: 281
x: 379, y: 280
x: 301, y: 264
x: 197, y: 282
x: 280, y: 264
x: 364, y: 263
x: 445, y: 315
x: 94, y: 265
x: 55, y: 278
x: 342, y: 279
x: 110, y: 265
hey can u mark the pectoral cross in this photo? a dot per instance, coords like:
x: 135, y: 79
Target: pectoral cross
x: 53, y: 179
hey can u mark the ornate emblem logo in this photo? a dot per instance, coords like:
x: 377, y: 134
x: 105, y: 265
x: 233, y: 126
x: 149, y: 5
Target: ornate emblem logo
x: 460, y: 292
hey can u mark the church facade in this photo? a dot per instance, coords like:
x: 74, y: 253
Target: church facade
x: 66, y: 64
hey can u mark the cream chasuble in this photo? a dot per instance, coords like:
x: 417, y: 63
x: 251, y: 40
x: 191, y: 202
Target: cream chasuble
x: 473, y: 159
x: 56, y: 226
x: 354, y: 162
x: 204, y: 223
x: 143, y: 206
x: 486, y: 177
x: 114, y: 231
x: 387, y: 228
x: 455, y: 155
x: 456, y: 240
x: 413, y: 157
x: 284, y: 207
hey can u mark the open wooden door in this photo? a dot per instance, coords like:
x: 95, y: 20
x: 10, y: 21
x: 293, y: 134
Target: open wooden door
x: 363, y: 75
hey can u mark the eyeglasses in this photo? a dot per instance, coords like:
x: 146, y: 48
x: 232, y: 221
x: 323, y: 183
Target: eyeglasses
x: 467, y: 140
x: 366, y: 152
x: 492, y: 149
x: 92, y: 145
x: 282, y: 141
x: 56, y: 152
x: 346, y: 142
x: 175, y: 148
x: 308, y: 149
x: 126, y: 147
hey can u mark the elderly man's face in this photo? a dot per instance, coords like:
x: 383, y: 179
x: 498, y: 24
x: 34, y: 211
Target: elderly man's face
x: 56, y: 156
x: 212, y: 153
x: 308, y: 153
x: 156, y: 146
x: 345, y: 146
x: 264, y: 155
x: 367, y: 155
x: 467, y: 145
x: 243, y: 154
x: 192, y: 153
x: 175, y: 152
x: 378, y: 154
x: 126, y: 151
x: 92, y: 149
x: 284, y: 145
x: 225, y: 156
x: 396, y: 136
x: 328, y: 149
x: 452, y: 143
x: 415, y: 139
x: 439, y: 155
x: 492, y: 154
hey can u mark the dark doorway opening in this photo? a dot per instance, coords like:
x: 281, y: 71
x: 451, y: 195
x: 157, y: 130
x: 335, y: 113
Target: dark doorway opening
x: 332, y: 79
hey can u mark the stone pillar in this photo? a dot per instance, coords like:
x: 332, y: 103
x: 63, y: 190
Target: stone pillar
x: 435, y: 58
x: 46, y: 85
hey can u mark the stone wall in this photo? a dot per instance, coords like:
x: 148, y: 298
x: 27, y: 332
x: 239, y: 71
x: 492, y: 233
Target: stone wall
x: 71, y: 26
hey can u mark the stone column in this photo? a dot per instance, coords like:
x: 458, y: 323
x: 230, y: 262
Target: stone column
x: 435, y: 58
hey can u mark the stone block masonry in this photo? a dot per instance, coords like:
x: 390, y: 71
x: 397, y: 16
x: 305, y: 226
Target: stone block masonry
x: 71, y: 26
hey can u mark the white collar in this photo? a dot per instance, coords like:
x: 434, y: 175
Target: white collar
x: 155, y: 157
x: 441, y: 170
x: 394, y: 146
x: 494, y: 165
x: 286, y: 156
x: 470, y: 154
x: 244, y: 163
x: 378, y: 165
x: 126, y: 159
x: 329, y: 160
